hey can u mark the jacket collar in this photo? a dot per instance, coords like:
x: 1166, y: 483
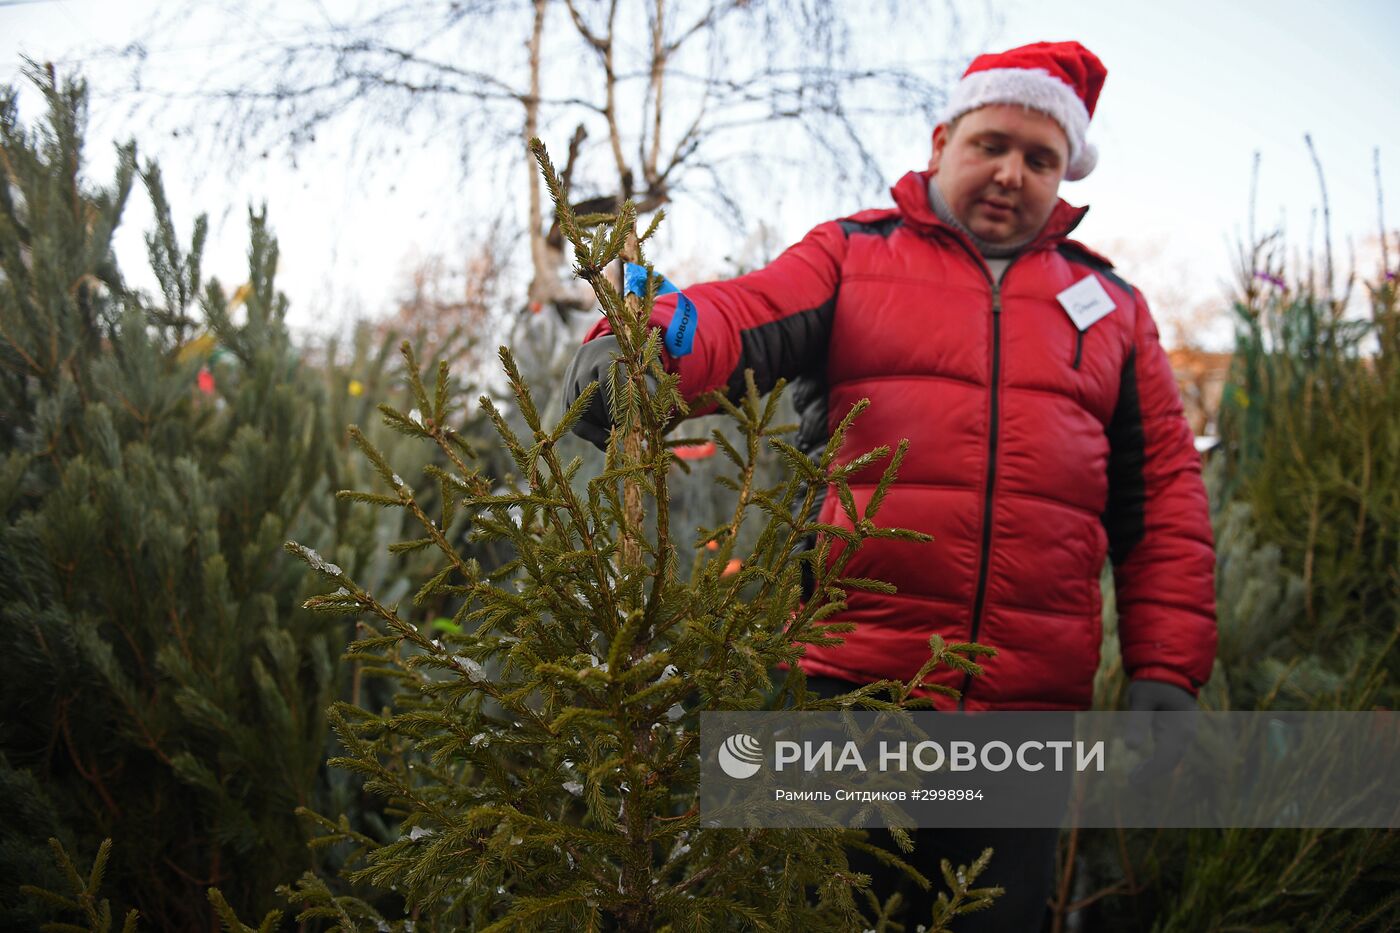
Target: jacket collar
x: 911, y: 197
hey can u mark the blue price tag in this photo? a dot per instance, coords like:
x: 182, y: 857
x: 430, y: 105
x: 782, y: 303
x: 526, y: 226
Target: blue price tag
x: 680, y: 333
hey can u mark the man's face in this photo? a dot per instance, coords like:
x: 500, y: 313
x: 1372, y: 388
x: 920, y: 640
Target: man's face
x: 1000, y: 171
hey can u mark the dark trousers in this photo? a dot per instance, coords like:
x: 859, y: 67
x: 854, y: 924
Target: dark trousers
x: 1023, y: 863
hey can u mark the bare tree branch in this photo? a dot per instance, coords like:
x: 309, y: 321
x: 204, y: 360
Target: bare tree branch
x: 583, y: 30
x: 649, y: 154
x: 674, y: 82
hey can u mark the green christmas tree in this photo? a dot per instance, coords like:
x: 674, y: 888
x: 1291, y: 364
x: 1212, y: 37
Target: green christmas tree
x: 1304, y: 496
x: 1310, y: 421
x: 163, y: 688
x: 542, y: 750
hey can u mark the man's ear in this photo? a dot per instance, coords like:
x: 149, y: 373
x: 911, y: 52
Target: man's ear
x: 940, y: 142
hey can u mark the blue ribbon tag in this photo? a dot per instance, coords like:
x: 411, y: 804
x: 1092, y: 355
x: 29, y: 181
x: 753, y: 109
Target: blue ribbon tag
x: 680, y: 333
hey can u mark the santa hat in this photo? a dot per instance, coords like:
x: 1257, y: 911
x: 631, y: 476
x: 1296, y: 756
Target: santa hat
x: 1060, y: 79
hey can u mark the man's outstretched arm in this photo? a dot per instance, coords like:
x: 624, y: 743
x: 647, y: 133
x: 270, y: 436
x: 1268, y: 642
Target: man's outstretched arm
x: 775, y: 321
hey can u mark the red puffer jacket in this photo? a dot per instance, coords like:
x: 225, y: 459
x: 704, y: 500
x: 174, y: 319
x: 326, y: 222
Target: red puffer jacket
x: 1036, y: 449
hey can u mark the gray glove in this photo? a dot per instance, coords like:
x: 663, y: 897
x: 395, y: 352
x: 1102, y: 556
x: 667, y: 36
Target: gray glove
x: 1170, y: 712
x: 591, y: 364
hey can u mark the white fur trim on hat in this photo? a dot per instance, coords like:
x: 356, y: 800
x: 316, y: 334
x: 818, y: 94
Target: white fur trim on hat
x: 1035, y: 88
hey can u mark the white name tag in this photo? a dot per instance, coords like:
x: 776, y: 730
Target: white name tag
x: 1085, y: 301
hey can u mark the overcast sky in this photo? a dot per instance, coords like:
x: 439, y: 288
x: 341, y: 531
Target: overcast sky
x: 1194, y: 88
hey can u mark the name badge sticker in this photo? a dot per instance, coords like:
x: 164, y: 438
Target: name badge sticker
x: 1085, y: 302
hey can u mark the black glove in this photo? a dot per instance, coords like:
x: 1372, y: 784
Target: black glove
x: 1171, y: 714
x: 591, y: 364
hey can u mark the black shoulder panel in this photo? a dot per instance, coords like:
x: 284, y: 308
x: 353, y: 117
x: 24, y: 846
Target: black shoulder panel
x: 880, y: 228
x: 1079, y: 257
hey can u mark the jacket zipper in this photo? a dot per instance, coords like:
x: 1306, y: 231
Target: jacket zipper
x: 1078, y: 346
x: 983, y: 560
x: 994, y: 430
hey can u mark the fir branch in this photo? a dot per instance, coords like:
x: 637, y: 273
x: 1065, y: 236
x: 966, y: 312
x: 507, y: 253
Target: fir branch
x: 369, y: 498
x: 97, y: 914
x: 270, y: 922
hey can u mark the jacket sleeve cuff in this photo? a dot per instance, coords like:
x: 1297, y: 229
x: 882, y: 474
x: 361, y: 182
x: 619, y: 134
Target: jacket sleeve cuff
x: 1167, y: 676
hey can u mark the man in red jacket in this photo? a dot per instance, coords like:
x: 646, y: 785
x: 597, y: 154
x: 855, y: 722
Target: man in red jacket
x: 1045, y: 428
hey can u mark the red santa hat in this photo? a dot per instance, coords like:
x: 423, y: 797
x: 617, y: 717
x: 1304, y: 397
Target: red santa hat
x: 1060, y: 79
